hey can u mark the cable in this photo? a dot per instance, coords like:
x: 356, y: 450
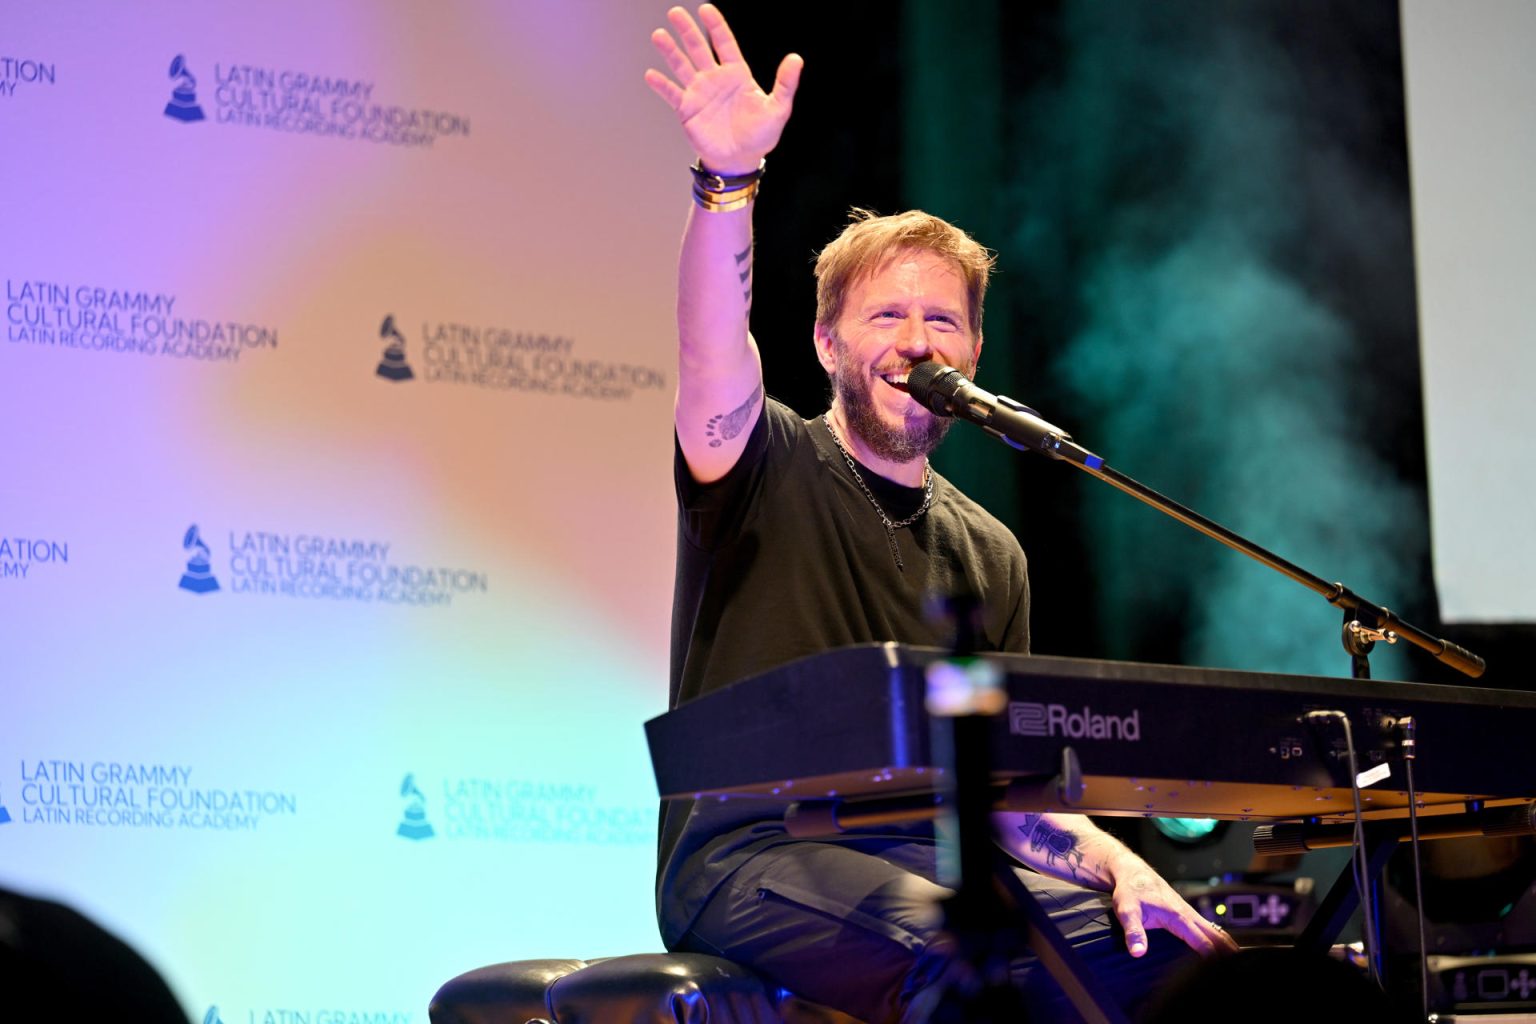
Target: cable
x: 1410, y: 754
x: 1359, y: 862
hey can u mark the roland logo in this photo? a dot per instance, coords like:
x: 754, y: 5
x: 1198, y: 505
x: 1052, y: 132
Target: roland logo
x: 1029, y: 719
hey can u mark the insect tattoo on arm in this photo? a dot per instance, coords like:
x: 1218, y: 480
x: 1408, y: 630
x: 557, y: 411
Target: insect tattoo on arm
x: 728, y: 425
x: 1058, y: 844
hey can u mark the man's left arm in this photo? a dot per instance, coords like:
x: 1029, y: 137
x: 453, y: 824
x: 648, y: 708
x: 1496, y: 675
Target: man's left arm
x: 1074, y: 849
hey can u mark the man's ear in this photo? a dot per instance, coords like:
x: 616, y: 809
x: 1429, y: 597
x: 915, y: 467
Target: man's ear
x: 826, y: 353
x: 976, y: 356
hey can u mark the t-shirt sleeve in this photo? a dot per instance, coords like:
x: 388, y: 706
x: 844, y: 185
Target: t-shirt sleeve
x: 713, y: 513
x: 1016, y: 630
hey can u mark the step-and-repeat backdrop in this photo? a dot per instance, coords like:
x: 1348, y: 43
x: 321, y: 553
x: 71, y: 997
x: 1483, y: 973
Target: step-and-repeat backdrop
x: 335, y: 518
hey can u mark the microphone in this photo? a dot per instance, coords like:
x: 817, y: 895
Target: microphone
x: 947, y: 392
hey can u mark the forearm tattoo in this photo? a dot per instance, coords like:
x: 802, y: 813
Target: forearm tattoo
x: 744, y: 262
x: 727, y: 425
x: 1058, y: 844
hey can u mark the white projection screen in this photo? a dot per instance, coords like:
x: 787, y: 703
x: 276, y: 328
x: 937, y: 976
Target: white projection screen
x: 1471, y: 91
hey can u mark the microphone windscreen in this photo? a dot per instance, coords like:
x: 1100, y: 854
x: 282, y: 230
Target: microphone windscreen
x: 934, y: 384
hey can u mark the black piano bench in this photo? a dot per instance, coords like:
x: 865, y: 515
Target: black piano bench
x: 646, y: 988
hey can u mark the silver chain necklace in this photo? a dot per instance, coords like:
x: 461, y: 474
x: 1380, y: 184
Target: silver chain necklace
x: 885, y: 520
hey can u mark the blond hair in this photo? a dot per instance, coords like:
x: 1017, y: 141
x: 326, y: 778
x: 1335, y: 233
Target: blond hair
x: 870, y: 241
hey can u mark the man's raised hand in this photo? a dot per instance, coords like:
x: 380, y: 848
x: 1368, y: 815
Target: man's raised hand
x: 730, y: 121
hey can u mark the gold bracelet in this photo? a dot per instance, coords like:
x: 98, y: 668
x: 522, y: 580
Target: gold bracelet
x: 725, y: 196
x: 724, y: 202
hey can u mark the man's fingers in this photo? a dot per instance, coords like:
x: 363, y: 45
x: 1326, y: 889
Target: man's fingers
x: 678, y: 61
x: 663, y: 86
x: 720, y: 34
x: 694, y: 43
x: 787, y: 80
x: 1194, y: 935
x: 1129, y: 913
x: 1202, y: 936
x: 1224, y: 942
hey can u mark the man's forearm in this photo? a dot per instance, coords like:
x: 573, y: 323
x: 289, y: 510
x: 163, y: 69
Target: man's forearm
x: 714, y: 290
x: 1065, y: 846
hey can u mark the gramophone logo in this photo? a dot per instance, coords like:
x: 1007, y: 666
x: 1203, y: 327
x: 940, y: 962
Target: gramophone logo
x: 183, y: 105
x: 414, y: 823
x: 212, y: 1016
x: 197, y: 578
x: 393, y: 365
x: 5, y: 815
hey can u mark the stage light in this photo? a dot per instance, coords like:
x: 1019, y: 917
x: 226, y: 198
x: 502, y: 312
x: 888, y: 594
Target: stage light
x: 1185, y: 830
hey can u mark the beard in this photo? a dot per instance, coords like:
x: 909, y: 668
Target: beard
x: 853, y: 385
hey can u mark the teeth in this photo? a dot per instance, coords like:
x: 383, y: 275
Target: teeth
x: 896, y: 380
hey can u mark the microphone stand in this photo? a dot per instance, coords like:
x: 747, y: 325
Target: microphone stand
x: 1364, y: 622
x: 1020, y: 427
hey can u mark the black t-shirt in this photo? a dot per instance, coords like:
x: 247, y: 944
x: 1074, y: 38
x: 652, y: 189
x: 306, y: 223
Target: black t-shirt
x: 785, y: 557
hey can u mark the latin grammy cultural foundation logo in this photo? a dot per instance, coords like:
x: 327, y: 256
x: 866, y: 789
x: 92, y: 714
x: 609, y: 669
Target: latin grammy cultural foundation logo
x: 392, y: 365
x: 508, y: 359
x: 323, y: 566
x: 198, y: 576
x: 513, y: 810
x: 5, y: 815
x: 413, y: 821
x: 93, y: 318
x: 183, y: 105
x: 290, y: 100
x: 212, y: 1016
x: 142, y: 794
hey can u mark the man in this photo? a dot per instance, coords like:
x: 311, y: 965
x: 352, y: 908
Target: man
x: 800, y: 536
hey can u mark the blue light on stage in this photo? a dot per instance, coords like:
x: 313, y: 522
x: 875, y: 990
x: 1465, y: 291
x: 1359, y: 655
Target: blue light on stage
x: 1185, y: 830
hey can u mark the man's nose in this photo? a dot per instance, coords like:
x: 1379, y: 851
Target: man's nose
x: 914, y: 341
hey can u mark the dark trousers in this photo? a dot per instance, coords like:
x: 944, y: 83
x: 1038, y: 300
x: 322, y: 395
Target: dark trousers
x: 861, y: 933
